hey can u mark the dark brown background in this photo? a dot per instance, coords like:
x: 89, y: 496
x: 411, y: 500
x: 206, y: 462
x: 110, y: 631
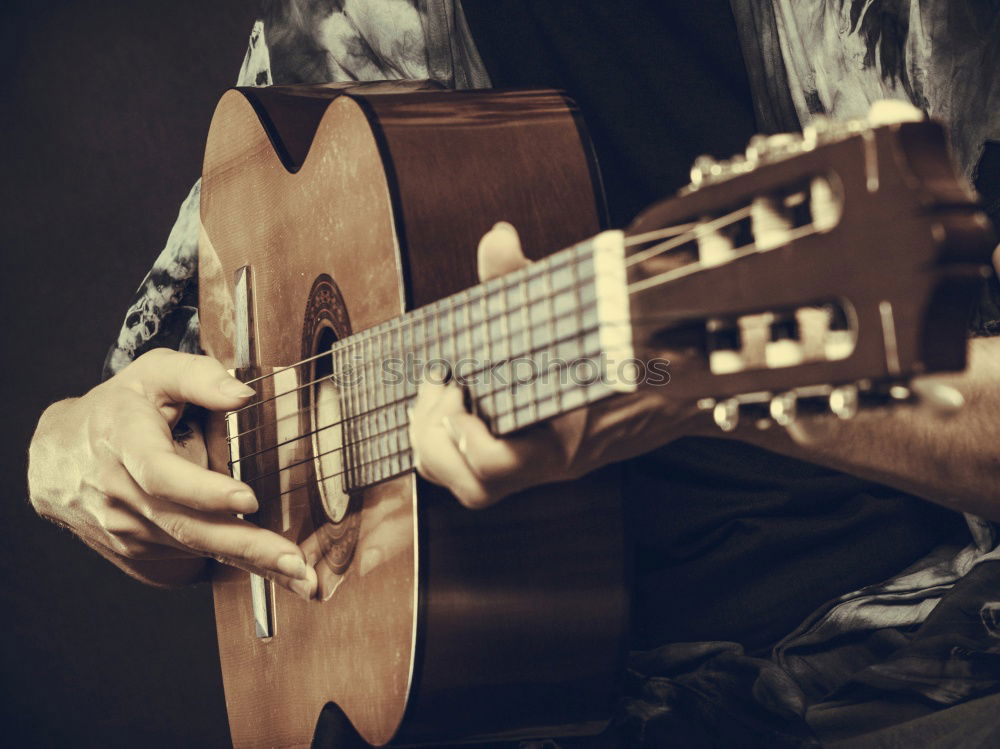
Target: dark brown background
x: 104, y: 109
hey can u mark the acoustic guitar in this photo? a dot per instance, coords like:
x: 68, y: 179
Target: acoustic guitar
x: 337, y: 260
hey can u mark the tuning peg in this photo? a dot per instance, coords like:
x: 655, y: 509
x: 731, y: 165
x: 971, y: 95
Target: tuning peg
x: 703, y: 169
x: 815, y: 132
x: 738, y: 164
x: 899, y: 392
x: 756, y: 149
x: 781, y: 142
x: 726, y: 414
x: 844, y: 401
x: 784, y: 408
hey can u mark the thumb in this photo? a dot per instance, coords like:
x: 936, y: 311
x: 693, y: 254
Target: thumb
x: 500, y: 252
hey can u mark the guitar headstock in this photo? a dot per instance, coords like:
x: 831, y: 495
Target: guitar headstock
x: 824, y: 266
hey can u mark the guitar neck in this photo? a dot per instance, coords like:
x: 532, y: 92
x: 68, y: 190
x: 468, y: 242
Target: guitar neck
x: 526, y: 347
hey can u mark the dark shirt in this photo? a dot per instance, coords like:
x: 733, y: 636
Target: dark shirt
x: 733, y: 542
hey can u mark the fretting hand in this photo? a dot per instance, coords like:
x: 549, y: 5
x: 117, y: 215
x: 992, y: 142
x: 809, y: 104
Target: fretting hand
x: 456, y: 449
x: 106, y: 466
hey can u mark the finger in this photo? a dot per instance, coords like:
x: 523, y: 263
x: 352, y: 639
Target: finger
x: 146, y: 450
x: 429, y: 394
x: 131, y: 535
x: 226, y: 537
x: 167, y: 376
x: 499, y: 252
x: 504, y: 465
x: 126, y: 533
x: 305, y: 588
x: 436, y: 454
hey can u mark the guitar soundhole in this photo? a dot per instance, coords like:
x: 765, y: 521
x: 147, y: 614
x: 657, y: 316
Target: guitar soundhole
x: 336, y: 515
x: 327, y: 434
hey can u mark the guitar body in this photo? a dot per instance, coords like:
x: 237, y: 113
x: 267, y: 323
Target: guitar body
x: 350, y: 207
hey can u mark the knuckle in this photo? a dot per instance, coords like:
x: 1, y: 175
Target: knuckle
x: 248, y: 553
x: 119, y: 525
x: 485, y: 468
x: 147, y: 474
x: 142, y: 365
x: 181, y: 530
x: 137, y: 550
x: 120, y: 547
x: 473, y: 497
x: 100, y: 479
x: 479, y: 469
x: 97, y: 509
x: 128, y: 548
x: 154, y: 357
x: 76, y: 504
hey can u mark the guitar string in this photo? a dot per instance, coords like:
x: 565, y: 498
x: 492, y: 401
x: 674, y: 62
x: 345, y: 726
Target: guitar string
x: 686, y: 234
x: 331, y: 451
x: 671, y: 244
x: 660, y: 279
x: 387, y: 404
x: 636, y: 287
x: 629, y: 242
x: 367, y: 364
x: 682, y: 233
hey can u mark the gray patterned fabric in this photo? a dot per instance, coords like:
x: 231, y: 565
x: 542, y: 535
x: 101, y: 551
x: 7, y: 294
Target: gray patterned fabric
x: 300, y: 41
x: 841, y: 55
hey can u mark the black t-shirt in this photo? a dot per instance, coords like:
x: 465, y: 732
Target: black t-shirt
x: 732, y: 542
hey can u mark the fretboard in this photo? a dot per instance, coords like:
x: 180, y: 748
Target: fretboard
x: 526, y: 347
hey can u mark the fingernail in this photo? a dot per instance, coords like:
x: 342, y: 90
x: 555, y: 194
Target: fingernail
x: 292, y: 565
x: 371, y: 559
x: 244, y: 499
x: 235, y: 389
x: 305, y: 589
x: 504, y: 226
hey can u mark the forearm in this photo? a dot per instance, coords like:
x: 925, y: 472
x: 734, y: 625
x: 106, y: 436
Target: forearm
x: 952, y: 460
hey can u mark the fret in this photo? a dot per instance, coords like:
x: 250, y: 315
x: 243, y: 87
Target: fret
x: 387, y: 396
x: 446, y: 329
x: 409, y: 386
x: 377, y: 416
x: 481, y: 353
x: 378, y: 362
x: 402, y: 372
x: 338, y: 374
x: 433, y: 336
x: 477, y: 329
x: 417, y: 336
x: 357, y: 375
x: 367, y: 407
x: 496, y: 324
x: 359, y: 413
x: 464, y: 323
x: 548, y: 387
x: 514, y: 300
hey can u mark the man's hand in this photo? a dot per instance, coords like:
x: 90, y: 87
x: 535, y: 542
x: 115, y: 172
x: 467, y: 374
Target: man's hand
x: 454, y: 448
x: 106, y: 466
